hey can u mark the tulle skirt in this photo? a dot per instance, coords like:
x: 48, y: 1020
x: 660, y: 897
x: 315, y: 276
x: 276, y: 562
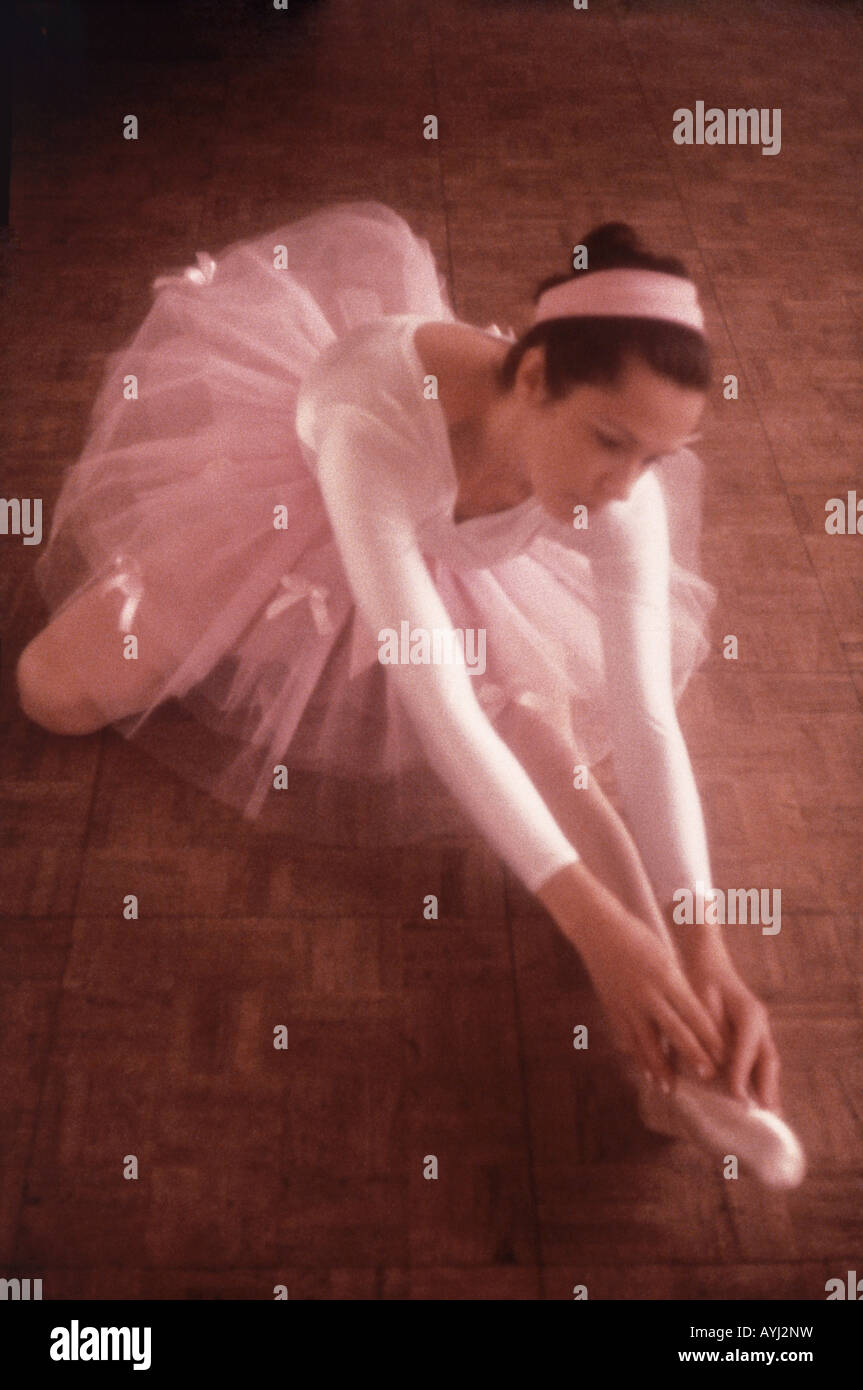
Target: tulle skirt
x: 192, y: 450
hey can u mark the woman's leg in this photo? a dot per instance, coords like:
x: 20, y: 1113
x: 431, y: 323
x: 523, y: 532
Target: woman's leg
x: 73, y: 677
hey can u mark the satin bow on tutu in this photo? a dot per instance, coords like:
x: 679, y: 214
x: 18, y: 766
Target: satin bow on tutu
x: 494, y: 698
x: 127, y: 578
x: 201, y: 274
x: 296, y: 588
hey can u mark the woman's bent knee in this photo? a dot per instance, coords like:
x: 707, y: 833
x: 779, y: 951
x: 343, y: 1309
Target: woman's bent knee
x: 45, y: 697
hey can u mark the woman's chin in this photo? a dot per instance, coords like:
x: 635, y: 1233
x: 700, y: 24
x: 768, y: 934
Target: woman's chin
x: 564, y: 511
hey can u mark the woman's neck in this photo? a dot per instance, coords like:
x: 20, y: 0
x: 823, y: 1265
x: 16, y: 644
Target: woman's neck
x: 484, y: 451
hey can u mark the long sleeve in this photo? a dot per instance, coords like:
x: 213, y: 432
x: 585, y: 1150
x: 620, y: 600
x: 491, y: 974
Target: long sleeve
x: 630, y: 556
x: 370, y: 513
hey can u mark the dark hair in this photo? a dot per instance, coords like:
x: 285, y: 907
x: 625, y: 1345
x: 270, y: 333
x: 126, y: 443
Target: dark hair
x: 594, y: 349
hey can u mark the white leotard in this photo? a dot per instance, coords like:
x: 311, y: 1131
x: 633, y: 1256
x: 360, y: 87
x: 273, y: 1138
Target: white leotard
x: 381, y: 456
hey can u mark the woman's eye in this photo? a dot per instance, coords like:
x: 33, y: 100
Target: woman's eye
x: 608, y: 443
x: 616, y: 445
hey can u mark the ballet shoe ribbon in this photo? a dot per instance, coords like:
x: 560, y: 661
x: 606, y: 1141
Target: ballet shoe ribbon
x: 296, y: 589
x: 201, y: 274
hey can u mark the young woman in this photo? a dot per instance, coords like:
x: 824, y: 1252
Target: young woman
x: 303, y: 471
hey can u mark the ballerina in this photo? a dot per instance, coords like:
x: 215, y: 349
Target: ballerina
x: 320, y: 453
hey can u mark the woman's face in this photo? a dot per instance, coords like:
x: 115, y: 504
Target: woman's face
x: 592, y: 447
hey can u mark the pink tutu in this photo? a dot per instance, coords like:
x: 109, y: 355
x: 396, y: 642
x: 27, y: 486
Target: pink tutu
x: 172, y: 501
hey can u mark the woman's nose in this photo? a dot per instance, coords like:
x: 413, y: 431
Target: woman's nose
x: 617, y: 486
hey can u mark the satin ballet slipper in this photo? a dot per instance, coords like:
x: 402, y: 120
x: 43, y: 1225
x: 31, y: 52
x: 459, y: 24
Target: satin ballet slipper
x: 762, y: 1142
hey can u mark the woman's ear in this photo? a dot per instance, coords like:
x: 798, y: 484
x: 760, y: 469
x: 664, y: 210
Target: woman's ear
x: 530, y: 376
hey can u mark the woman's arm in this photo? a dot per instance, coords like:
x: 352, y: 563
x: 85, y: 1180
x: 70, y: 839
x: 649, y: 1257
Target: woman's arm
x: 631, y: 559
x: 630, y: 556
x: 641, y: 985
x: 391, y: 583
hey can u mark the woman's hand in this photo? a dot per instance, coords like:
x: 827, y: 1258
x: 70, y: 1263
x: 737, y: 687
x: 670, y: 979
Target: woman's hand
x: 648, y: 999
x: 753, y: 1061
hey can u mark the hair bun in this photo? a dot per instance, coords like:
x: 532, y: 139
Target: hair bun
x: 615, y: 246
x: 610, y: 239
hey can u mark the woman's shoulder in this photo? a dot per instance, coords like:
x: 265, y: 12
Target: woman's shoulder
x: 368, y: 386
x: 453, y: 347
x: 370, y: 355
x: 361, y: 369
x: 395, y: 353
x: 381, y: 369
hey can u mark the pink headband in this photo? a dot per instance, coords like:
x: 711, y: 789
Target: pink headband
x: 643, y: 294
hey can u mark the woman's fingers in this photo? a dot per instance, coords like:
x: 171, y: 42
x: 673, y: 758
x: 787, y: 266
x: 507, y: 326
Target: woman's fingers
x: 692, y: 1012
x: 650, y: 1052
x: 684, y: 1039
x: 639, y: 1040
x: 625, y: 1039
x: 713, y: 1004
x: 750, y: 1032
x: 766, y: 1075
